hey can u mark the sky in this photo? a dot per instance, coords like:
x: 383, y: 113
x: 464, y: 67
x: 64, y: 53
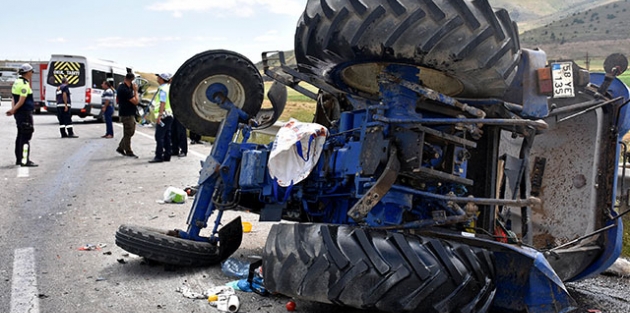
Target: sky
x: 148, y: 35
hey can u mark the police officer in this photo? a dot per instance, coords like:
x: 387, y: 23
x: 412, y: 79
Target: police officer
x: 64, y: 116
x: 22, y: 106
x: 164, y: 119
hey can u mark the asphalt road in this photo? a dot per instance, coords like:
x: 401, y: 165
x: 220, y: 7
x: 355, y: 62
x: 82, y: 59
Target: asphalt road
x: 79, y: 195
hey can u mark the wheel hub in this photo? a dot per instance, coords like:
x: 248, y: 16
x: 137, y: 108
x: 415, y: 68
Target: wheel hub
x: 204, y: 97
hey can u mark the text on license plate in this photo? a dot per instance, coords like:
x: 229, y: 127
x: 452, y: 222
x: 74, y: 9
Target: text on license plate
x: 562, y: 76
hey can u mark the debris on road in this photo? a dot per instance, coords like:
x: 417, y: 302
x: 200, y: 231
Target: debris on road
x: 234, y: 267
x: 188, y: 293
x: 91, y: 247
x: 174, y: 195
x: 290, y: 306
x: 223, y: 298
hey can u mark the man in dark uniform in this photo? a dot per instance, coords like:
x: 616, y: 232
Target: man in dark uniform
x: 22, y: 106
x: 179, y: 143
x: 64, y: 116
x: 128, y: 99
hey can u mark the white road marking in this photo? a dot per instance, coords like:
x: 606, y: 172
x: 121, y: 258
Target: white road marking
x: 195, y: 153
x: 24, y: 294
x: 22, y: 171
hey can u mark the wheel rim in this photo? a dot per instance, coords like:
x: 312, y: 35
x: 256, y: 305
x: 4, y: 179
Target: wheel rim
x: 363, y: 77
x: 210, y: 110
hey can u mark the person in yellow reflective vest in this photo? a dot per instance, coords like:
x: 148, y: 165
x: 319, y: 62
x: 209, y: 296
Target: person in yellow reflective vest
x: 163, y: 119
x: 22, y: 106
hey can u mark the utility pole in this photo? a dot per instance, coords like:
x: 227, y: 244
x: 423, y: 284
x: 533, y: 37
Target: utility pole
x: 588, y: 62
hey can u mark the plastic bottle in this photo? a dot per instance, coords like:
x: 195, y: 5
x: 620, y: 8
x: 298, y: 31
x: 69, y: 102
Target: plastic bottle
x: 235, y: 268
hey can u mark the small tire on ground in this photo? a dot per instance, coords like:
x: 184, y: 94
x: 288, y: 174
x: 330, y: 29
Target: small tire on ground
x: 156, y: 245
x: 187, y: 92
x: 464, y: 48
x: 387, y: 271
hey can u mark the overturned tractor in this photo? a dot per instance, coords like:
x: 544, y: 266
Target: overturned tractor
x: 459, y: 172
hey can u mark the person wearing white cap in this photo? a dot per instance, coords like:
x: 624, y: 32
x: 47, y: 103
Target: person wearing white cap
x: 164, y: 119
x: 22, y: 106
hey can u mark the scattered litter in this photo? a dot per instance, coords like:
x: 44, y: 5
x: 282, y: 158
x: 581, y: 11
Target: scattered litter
x: 100, y: 278
x: 247, y: 227
x: 250, y: 274
x: 174, y: 195
x: 42, y: 296
x: 91, y: 247
x: 236, y: 268
x: 228, y: 303
x: 186, y: 292
x: 220, y: 290
x: 153, y: 217
x: 223, y: 297
x: 172, y: 215
x: 191, y: 191
x: 121, y: 261
x: 290, y: 306
x: 256, y: 285
x: 107, y: 253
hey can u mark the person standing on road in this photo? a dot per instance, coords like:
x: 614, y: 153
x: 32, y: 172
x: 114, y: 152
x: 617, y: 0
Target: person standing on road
x: 128, y: 99
x: 108, y: 108
x: 64, y: 116
x: 163, y: 119
x: 22, y: 106
x: 179, y: 146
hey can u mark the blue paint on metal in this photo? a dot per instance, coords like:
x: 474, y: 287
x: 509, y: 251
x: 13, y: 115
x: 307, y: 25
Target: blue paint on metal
x: 215, y: 91
x: 526, y: 282
x: 617, y: 89
x: 252, y: 173
x: 203, y: 205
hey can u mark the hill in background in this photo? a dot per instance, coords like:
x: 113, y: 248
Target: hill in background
x: 597, y: 31
x: 531, y: 14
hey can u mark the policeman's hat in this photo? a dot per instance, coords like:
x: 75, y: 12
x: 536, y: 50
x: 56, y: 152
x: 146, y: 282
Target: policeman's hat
x: 25, y: 68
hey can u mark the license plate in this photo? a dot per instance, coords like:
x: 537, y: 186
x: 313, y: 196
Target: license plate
x: 562, y: 76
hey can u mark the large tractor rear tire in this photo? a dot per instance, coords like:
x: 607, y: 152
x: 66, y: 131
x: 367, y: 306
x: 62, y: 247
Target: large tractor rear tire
x: 377, y: 270
x: 188, y: 91
x: 464, y: 48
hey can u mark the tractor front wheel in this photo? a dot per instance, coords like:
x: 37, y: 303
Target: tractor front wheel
x: 189, y: 97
